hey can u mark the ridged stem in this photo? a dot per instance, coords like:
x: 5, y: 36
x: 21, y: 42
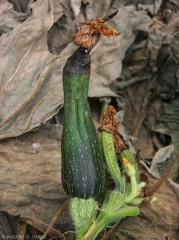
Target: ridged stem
x: 134, y: 189
x: 139, y: 201
x: 113, y: 200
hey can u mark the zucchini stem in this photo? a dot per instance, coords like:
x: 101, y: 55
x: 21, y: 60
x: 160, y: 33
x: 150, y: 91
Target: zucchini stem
x: 106, y: 216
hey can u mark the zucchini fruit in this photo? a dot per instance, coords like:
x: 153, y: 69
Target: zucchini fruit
x: 83, y: 165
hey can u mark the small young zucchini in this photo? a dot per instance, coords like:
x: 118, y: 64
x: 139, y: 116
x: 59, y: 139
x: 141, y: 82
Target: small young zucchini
x: 83, y: 166
x: 127, y: 155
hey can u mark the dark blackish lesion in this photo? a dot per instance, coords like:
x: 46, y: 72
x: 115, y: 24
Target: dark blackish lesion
x: 79, y: 63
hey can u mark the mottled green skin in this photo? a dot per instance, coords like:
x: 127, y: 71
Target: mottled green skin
x: 83, y: 167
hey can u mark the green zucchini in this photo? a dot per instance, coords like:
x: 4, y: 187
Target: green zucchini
x: 83, y: 166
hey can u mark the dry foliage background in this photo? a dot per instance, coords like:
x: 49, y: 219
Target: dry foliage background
x: 138, y: 71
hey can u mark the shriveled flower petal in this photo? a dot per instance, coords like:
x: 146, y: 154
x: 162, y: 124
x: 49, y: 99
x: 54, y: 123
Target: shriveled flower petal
x: 109, y: 124
x: 86, y: 37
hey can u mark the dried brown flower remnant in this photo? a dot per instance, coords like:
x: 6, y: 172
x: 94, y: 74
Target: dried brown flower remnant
x: 86, y: 37
x: 109, y: 124
x: 108, y: 120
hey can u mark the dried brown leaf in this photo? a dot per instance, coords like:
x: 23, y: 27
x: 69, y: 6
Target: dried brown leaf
x: 29, y: 86
x: 108, y: 53
x: 30, y: 171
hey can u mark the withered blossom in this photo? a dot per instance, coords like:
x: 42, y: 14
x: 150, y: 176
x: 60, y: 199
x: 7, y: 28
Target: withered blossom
x: 87, y: 35
x: 109, y: 124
